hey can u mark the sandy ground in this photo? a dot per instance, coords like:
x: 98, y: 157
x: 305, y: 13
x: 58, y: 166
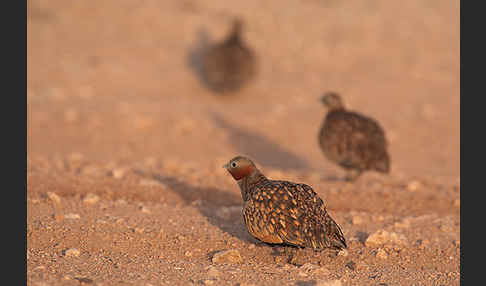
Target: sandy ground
x: 125, y: 143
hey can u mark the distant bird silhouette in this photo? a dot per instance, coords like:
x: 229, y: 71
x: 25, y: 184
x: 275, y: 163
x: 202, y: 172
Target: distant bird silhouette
x: 355, y: 142
x: 283, y: 212
x: 229, y: 65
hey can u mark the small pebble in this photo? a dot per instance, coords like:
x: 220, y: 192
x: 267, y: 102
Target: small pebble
x: 301, y: 273
x: 54, y: 197
x: 403, y: 224
x: 152, y: 183
x: 213, y: 272
x: 92, y: 170
x: 351, y: 265
x: 309, y: 268
x: 414, y: 186
x: 91, y: 199
x: 343, y: 252
x: 72, y: 216
x: 227, y: 256
x: 75, y: 156
x: 120, y: 202
x: 422, y: 243
x: 208, y: 282
x: 381, y: 254
x: 118, y: 173
x: 381, y: 237
x: 84, y: 280
x: 58, y: 217
x: 72, y: 252
x: 357, y: 219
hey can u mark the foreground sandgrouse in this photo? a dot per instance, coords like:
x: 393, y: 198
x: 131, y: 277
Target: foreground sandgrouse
x: 228, y: 65
x: 281, y: 212
x: 355, y: 142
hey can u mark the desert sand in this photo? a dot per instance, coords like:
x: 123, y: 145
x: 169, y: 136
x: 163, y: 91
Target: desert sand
x: 125, y: 143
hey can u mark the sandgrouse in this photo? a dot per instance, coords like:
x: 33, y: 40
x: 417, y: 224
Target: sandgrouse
x: 230, y: 64
x: 281, y: 212
x: 355, y: 142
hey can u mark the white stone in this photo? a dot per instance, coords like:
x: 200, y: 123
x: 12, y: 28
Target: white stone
x: 91, y: 199
x: 227, y: 256
x: 54, y: 197
x: 381, y: 237
x: 72, y: 252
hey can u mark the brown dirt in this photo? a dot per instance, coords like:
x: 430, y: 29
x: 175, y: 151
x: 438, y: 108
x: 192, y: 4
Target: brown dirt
x: 116, y: 110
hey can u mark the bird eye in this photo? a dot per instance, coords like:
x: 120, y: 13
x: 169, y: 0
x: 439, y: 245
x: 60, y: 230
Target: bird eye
x: 233, y: 164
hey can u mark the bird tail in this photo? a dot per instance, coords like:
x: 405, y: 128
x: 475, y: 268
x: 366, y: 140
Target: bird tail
x: 336, y: 236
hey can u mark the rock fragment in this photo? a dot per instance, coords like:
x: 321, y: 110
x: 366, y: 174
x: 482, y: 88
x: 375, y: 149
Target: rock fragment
x: 357, y: 219
x: 91, y: 199
x: 118, y: 173
x: 227, y: 256
x: 54, y: 197
x: 311, y: 269
x: 381, y: 254
x: 414, y: 186
x: 213, y: 272
x: 72, y: 252
x: 382, y: 237
x: 72, y: 216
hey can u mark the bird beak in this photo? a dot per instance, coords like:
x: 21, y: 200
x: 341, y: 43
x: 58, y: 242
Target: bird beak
x: 323, y: 100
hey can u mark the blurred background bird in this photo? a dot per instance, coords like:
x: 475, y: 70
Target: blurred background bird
x: 353, y: 141
x: 229, y: 65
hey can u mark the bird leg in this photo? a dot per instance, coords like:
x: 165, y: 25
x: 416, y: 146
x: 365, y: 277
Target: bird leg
x: 279, y: 250
x: 294, y: 256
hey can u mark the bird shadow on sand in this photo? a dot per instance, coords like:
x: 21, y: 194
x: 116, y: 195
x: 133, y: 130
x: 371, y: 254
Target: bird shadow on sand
x: 221, y: 208
x: 196, y: 53
x: 259, y: 148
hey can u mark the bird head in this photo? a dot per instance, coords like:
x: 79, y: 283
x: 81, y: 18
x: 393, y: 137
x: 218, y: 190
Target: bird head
x: 332, y: 100
x: 240, y: 167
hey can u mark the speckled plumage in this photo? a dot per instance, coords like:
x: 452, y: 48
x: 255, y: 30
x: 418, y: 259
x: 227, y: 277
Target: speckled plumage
x: 354, y: 141
x: 229, y: 65
x: 282, y: 212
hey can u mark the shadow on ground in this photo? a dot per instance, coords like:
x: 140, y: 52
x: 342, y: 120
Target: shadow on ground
x: 196, y: 53
x: 259, y: 148
x: 210, y: 202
